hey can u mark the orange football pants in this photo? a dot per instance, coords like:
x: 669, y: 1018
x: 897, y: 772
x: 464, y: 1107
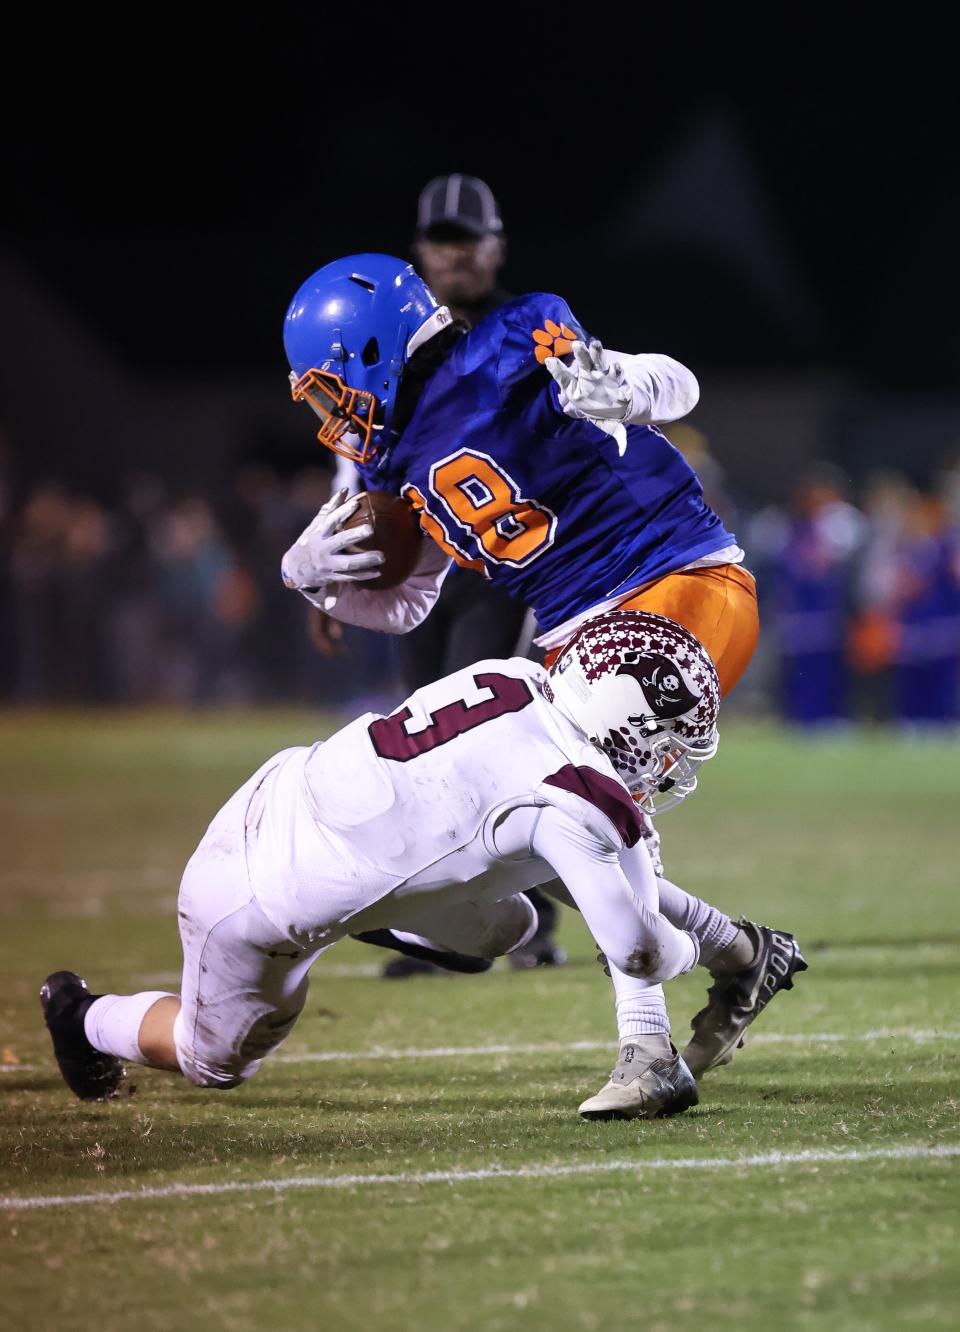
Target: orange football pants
x: 718, y: 606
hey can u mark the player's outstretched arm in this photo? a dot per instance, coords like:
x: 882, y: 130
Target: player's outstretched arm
x: 613, y: 389
x: 662, y: 389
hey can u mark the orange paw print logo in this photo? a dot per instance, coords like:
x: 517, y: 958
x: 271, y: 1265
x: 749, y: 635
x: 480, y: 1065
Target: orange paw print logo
x: 553, y: 340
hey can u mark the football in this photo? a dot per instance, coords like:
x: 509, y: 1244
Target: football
x: 396, y: 531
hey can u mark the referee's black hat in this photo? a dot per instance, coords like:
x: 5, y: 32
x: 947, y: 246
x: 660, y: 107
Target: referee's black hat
x: 457, y: 204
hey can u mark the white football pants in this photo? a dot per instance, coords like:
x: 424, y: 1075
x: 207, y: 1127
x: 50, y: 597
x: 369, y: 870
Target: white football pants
x: 245, y: 983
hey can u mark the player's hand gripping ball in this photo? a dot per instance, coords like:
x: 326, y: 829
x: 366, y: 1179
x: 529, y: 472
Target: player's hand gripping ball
x: 396, y: 532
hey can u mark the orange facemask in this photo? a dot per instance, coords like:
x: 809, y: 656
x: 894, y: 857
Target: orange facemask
x: 343, y: 411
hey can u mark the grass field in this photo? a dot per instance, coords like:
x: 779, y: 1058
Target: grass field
x: 357, y: 1183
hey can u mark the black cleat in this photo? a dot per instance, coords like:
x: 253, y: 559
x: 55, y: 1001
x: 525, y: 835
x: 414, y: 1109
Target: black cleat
x: 65, y: 998
x: 734, y: 1000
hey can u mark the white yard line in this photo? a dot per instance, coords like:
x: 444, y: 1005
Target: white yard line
x: 572, y: 1047
x: 467, y: 1051
x: 913, y: 1152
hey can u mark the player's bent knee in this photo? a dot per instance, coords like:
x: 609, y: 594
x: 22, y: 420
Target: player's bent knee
x: 202, y: 1077
x: 217, y: 1074
x: 483, y: 929
x: 520, y: 922
x: 217, y: 1069
x: 646, y: 961
x: 220, y: 1079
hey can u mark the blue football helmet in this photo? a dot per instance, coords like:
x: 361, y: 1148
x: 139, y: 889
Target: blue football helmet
x: 349, y: 331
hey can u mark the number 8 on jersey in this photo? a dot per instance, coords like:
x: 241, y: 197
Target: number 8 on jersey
x: 481, y: 497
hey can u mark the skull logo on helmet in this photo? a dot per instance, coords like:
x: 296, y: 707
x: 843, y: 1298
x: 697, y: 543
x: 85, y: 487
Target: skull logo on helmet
x: 644, y: 690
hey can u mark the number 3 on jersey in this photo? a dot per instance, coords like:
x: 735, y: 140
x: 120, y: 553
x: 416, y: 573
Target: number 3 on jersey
x: 392, y: 740
x: 480, y: 496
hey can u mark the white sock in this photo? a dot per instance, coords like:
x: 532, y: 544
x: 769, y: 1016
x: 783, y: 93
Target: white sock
x: 112, y: 1022
x: 712, y: 929
x: 641, y: 1007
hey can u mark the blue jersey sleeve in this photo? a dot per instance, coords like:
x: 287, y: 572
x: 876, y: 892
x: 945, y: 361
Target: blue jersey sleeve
x: 534, y: 327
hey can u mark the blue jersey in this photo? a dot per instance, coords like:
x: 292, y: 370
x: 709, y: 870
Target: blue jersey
x: 539, y: 503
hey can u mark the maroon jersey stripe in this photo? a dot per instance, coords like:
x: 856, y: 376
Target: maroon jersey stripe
x: 606, y: 794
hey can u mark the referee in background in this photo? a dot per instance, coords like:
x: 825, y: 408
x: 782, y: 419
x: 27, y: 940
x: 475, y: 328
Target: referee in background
x: 459, y: 250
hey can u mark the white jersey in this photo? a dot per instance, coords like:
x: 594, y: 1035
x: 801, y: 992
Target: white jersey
x: 411, y: 803
x: 428, y: 822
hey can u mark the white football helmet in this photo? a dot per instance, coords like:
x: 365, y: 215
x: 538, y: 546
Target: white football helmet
x: 645, y: 691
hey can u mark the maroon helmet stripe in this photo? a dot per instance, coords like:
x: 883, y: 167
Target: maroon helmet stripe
x: 605, y: 794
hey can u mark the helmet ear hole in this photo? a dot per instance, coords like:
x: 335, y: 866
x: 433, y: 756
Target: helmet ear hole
x: 371, y: 352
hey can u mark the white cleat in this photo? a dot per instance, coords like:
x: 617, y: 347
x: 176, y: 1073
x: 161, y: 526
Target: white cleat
x: 643, y: 1088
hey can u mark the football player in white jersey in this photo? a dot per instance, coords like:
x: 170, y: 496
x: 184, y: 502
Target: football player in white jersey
x: 430, y: 823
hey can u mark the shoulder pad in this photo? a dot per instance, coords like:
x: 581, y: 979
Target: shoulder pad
x: 599, y: 803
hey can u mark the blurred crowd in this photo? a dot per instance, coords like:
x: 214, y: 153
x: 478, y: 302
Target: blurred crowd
x: 168, y: 598
x: 176, y: 598
x: 859, y: 592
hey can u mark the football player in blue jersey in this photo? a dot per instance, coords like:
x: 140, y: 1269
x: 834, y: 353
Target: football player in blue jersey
x: 532, y: 456
x: 531, y: 453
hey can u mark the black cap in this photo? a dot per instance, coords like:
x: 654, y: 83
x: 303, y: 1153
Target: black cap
x: 458, y: 202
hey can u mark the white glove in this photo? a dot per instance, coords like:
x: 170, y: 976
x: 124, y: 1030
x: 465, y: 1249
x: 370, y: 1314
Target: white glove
x: 315, y: 560
x: 593, y: 391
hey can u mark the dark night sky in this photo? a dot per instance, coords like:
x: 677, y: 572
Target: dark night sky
x: 174, y: 194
